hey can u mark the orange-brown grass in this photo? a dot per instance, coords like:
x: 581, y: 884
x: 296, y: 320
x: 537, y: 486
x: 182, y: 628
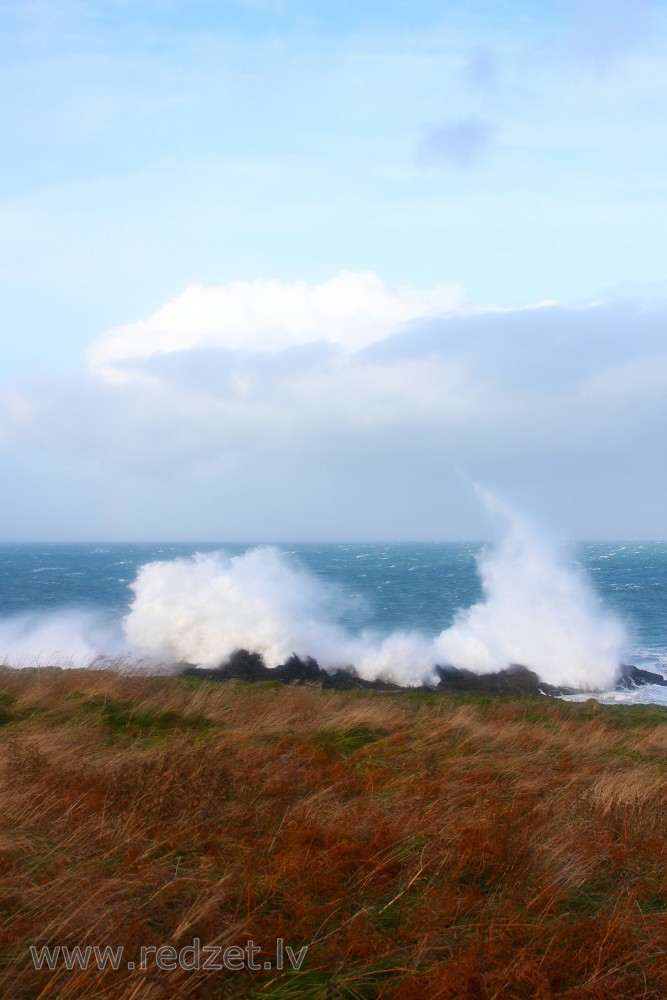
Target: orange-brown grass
x: 420, y: 846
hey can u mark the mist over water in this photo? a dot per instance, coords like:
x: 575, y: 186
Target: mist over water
x: 536, y: 611
x: 71, y: 637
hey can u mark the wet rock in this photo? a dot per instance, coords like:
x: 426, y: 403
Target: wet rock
x: 349, y: 680
x: 515, y: 681
x: 634, y: 677
x: 246, y: 666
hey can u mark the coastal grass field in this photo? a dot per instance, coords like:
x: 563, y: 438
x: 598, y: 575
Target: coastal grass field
x: 417, y: 845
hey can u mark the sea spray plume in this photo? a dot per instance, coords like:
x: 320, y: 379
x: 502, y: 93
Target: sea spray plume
x: 406, y: 658
x: 204, y: 609
x: 537, y: 612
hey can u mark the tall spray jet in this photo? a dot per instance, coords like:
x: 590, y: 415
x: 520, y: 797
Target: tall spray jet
x: 536, y: 611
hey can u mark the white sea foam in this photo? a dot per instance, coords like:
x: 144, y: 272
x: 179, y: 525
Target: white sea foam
x: 647, y: 694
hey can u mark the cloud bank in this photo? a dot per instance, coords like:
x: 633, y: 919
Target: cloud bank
x: 343, y: 409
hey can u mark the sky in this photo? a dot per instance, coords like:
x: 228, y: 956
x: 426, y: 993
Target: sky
x: 289, y: 270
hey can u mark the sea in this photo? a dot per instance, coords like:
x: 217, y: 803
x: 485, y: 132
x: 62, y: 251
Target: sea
x: 78, y: 604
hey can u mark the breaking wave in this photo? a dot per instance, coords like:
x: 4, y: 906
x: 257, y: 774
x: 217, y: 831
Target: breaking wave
x: 536, y: 610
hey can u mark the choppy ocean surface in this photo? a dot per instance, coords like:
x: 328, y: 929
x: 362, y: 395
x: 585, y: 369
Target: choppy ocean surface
x: 70, y: 602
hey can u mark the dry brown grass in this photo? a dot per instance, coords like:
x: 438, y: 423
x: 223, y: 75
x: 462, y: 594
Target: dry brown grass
x: 421, y: 846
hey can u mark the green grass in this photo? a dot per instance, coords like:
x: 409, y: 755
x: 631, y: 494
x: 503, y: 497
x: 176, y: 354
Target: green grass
x: 345, y: 742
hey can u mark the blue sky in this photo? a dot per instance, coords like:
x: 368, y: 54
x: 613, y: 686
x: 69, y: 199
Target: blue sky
x: 507, y: 154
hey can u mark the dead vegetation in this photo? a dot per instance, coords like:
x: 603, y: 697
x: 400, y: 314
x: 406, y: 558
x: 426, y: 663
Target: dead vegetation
x: 421, y: 846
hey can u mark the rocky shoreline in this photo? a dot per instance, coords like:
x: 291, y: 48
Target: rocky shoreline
x: 515, y: 681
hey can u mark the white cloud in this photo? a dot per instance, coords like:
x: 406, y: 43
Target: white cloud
x: 351, y: 310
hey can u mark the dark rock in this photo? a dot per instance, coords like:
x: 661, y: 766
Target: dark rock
x: 634, y: 677
x: 298, y: 671
x: 246, y: 666
x: 241, y: 665
x: 515, y: 680
x: 349, y: 680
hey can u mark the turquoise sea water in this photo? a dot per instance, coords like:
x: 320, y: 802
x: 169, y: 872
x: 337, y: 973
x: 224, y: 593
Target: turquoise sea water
x: 67, y: 600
